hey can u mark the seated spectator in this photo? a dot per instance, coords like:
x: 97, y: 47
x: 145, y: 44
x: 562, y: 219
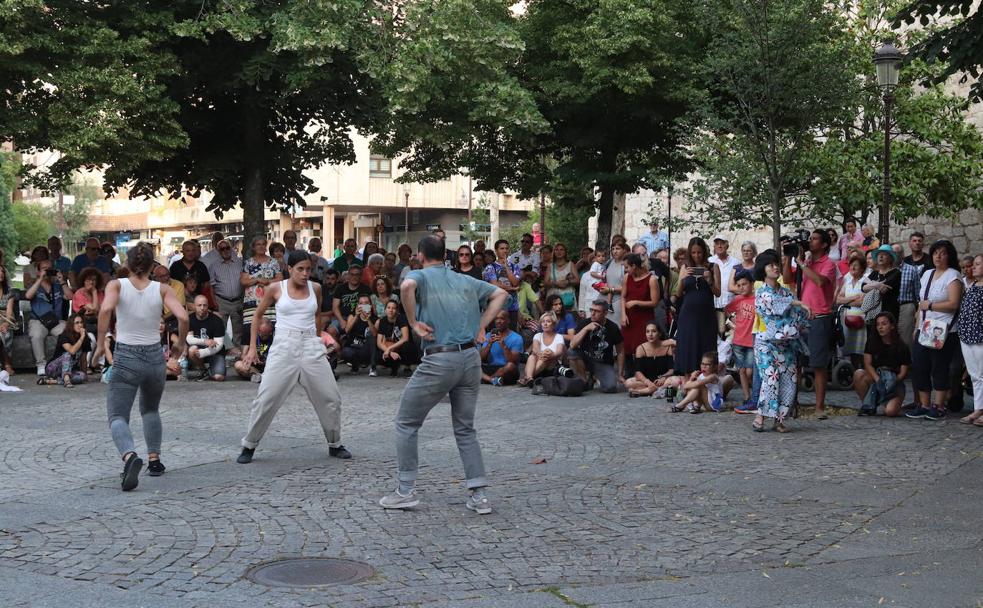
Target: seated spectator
x: 347, y: 294
x: 168, y: 339
x: 394, y: 343
x: 90, y: 258
x: 47, y: 295
x: 88, y: 297
x: 653, y: 363
x: 328, y: 321
x: 547, y: 350
x: 500, y: 353
x: 596, y: 348
x: 69, y: 363
x: 108, y: 349
x: 358, y: 341
x: 886, y: 364
x: 30, y: 273
x: 107, y: 251
x: 566, y: 323
x: 382, y: 294
x: 264, y: 340
x: 206, y: 335
x: 705, y: 388
x: 373, y: 267
x: 193, y: 289
x: 742, y: 307
x: 8, y: 320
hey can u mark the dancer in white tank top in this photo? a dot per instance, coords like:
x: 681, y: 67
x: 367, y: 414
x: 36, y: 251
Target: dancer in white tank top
x: 296, y: 357
x: 138, y: 361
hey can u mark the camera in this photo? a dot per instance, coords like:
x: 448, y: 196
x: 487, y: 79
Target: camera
x: 698, y: 271
x: 51, y: 272
x: 795, y: 242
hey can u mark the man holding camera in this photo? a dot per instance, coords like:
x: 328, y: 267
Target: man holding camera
x: 816, y: 291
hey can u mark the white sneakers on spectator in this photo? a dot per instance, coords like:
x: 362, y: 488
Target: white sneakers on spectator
x: 395, y: 500
x: 256, y: 378
x: 479, y: 503
x: 41, y: 370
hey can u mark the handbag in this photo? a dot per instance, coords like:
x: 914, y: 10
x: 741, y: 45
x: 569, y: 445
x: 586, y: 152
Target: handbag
x: 49, y: 320
x: 871, y: 306
x: 931, y: 332
x: 559, y: 386
x: 853, y: 318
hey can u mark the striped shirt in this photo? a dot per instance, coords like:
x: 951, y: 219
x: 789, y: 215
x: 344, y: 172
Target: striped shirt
x: 225, y: 278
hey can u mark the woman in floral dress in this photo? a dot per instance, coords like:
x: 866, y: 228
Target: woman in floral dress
x: 258, y: 271
x: 776, y: 348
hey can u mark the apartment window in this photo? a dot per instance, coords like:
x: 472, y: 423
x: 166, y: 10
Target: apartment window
x: 380, y: 166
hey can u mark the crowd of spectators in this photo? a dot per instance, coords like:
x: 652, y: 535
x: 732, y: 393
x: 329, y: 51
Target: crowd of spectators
x: 688, y: 325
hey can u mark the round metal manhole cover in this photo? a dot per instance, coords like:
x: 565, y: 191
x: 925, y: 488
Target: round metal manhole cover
x: 309, y: 572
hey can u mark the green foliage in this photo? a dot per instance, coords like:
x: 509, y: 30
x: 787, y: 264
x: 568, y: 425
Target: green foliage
x: 776, y: 77
x: 76, y: 216
x: 32, y: 223
x: 8, y: 233
x: 954, y: 43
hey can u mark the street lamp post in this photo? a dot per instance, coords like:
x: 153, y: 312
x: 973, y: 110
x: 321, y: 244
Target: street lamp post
x: 406, y: 215
x: 887, y: 60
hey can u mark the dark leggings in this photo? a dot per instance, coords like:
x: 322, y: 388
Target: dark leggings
x: 930, y: 367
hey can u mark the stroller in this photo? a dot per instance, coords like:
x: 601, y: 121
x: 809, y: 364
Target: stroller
x: 840, y: 368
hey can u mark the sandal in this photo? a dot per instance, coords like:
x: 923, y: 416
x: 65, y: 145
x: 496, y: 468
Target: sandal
x: 42, y: 381
x: 972, y: 418
x: 781, y: 428
x: 758, y: 427
x: 521, y: 381
x: 67, y: 381
x: 675, y: 409
x: 822, y: 416
x: 978, y: 421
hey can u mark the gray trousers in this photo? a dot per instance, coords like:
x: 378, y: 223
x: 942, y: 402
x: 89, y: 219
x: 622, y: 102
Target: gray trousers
x: 459, y: 375
x: 231, y: 308
x: 296, y: 358
x: 136, y: 367
x: 38, y: 333
x: 906, y: 322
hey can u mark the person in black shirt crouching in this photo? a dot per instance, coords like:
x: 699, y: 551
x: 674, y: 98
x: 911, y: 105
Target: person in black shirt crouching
x: 394, y: 344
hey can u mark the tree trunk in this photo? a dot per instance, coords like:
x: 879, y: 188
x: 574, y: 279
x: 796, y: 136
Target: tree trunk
x: 253, y: 208
x: 605, y: 209
x: 776, y: 220
x: 618, y: 213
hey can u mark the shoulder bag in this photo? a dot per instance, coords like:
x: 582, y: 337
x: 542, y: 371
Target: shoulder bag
x: 932, y: 333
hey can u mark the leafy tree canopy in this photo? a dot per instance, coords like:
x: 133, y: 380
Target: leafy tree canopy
x: 956, y: 42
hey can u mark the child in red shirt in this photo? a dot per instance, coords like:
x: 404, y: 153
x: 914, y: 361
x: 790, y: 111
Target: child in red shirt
x: 742, y: 307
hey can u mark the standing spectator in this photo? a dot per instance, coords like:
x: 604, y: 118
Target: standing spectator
x: 594, y: 278
x: 778, y: 344
x: 162, y: 275
x: 851, y: 237
x: 545, y: 259
x: 561, y: 277
x: 289, y: 241
x: 679, y: 260
x: 382, y: 294
x: 506, y: 275
x: 466, y: 263
x: 886, y: 363
x: 88, y: 297
x: 537, y: 234
x: 193, y: 288
x: 347, y: 295
x: 970, y: 332
x: 749, y: 251
x: 7, y: 303
x: 654, y: 239
x: 966, y: 267
x: 585, y: 261
x: 47, y: 296
x: 90, y: 258
x: 639, y: 297
x: 277, y: 253
x: 917, y: 258
x: 212, y: 255
x: 547, y: 350
x: 389, y: 266
x: 69, y: 364
x: 912, y: 267
x: 596, y: 348
x: 448, y: 254
x: 190, y: 264
x: 850, y: 296
x: 394, y: 343
x: 726, y: 266
x: 500, y: 353
x: 742, y: 307
x: 347, y: 259
x: 226, y: 270
x: 870, y: 241
x: 31, y: 271
x: 886, y: 279
x: 939, y: 300
x: 699, y: 284
x: 834, y: 251
x: 615, y: 278
x: 60, y: 263
x: 653, y: 363
x: 259, y: 271
x: 404, y: 253
x: 479, y: 247
x: 818, y: 288
x: 328, y: 321
x: 321, y: 265
x: 206, y: 333
x: 526, y: 256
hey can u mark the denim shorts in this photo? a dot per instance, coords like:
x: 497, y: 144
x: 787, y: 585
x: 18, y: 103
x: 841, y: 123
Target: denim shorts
x: 819, y: 339
x: 743, y: 356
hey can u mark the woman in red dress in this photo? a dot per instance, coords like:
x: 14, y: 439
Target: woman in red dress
x: 639, y: 297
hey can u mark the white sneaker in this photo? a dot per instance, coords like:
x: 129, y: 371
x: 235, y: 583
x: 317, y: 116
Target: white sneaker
x: 41, y: 370
x: 372, y: 373
x: 479, y: 504
x: 257, y: 378
x: 395, y: 500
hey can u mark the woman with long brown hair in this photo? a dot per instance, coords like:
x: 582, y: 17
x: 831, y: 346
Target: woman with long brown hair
x: 699, y: 283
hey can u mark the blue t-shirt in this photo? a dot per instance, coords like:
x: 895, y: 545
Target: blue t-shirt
x: 81, y: 262
x: 496, y: 356
x: 565, y: 324
x: 64, y: 265
x: 450, y: 303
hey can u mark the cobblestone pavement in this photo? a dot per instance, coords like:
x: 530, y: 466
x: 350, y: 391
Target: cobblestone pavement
x: 632, y: 506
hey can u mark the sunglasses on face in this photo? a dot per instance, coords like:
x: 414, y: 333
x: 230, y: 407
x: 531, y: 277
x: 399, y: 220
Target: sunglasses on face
x: 596, y: 310
x: 464, y: 255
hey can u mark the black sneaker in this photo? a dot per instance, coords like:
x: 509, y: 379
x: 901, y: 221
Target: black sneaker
x: 246, y: 456
x: 394, y: 372
x: 155, y: 468
x: 338, y: 452
x: 130, y: 476
x: 866, y: 411
x: 935, y: 413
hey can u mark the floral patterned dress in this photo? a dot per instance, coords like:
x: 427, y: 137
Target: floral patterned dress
x: 254, y: 293
x: 776, y: 349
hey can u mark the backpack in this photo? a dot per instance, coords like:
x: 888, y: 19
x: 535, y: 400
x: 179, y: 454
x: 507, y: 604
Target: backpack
x: 559, y: 386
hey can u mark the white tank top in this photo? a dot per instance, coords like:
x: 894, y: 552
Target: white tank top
x: 294, y: 314
x: 138, y: 314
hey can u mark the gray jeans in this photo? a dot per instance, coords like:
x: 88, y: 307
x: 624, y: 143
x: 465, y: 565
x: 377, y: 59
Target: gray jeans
x: 38, y: 333
x: 232, y: 308
x: 136, y: 367
x: 454, y: 373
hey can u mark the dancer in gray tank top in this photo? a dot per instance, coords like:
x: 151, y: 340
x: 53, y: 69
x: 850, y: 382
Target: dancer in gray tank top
x: 297, y: 357
x: 138, y: 361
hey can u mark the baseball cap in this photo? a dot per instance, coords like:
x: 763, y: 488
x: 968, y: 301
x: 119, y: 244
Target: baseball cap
x: 720, y: 237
